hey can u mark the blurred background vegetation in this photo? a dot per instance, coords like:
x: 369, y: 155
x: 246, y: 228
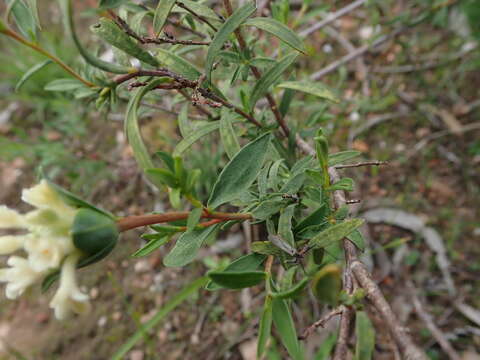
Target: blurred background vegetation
x: 413, y: 101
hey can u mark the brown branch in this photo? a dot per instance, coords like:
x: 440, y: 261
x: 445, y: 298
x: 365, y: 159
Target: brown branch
x: 172, y: 40
x: 359, y: 164
x: 321, y: 323
x: 271, y: 101
x: 132, y: 222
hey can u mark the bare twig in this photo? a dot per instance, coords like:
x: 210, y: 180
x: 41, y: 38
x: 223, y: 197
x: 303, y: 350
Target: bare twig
x: 364, y: 163
x: 332, y: 17
x: 198, y: 16
x: 429, y: 323
x: 355, y: 54
x: 172, y: 40
x: 321, y: 323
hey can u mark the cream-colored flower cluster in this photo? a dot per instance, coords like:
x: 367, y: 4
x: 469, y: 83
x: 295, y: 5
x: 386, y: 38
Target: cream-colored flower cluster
x: 47, y: 245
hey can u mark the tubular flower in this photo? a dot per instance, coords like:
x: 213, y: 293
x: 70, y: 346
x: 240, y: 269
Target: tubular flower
x: 47, y: 245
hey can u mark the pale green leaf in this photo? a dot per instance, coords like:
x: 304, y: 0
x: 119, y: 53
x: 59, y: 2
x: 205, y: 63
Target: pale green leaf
x: 335, y: 233
x: 223, y: 33
x: 63, y: 85
x: 279, y: 30
x: 240, y: 172
x: 285, y: 224
x: 342, y: 156
x: 162, y: 11
x: 176, y: 300
x: 365, y: 333
x: 282, y: 318
x: 32, y: 71
x: 227, y: 134
x: 199, y: 132
x: 265, y: 327
x: 310, y: 87
x: 187, y: 246
x: 271, y: 76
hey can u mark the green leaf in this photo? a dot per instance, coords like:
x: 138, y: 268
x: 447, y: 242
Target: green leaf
x: 109, y: 4
x: 267, y: 208
x: 365, y: 333
x: 237, y: 280
x: 357, y: 238
x: 315, y: 218
x: 184, y: 124
x: 227, y: 134
x: 176, y: 300
x: 266, y: 248
x: 161, y: 13
x: 162, y: 176
x: 73, y: 200
x: 187, y: 246
x: 342, y: 156
x: 265, y: 326
x: 334, y: 233
x: 282, y: 318
x: 200, y: 9
x: 132, y: 130
x: 24, y: 18
x: 268, y: 78
x: 199, y: 132
x: 313, y: 88
x: 285, y: 224
x: 194, y: 218
x: 174, y: 198
x: 67, y: 11
x: 152, y: 245
x: 246, y: 263
x: 223, y: 33
x: 345, y: 184
x: 279, y: 30
x: 166, y: 158
x: 112, y: 34
x: 327, y: 284
x: 63, y: 85
x: 240, y: 172
x: 177, y: 64
x: 325, y: 349
x: 292, y: 292
x: 293, y: 185
x: 32, y: 71
x: 93, y: 231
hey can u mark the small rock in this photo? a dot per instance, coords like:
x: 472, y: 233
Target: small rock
x: 102, y: 321
x: 136, y: 355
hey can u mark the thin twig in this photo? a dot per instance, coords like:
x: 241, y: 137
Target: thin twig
x: 429, y: 323
x: 364, y: 163
x: 332, y: 17
x: 172, y: 40
x: 198, y: 16
x: 321, y: 323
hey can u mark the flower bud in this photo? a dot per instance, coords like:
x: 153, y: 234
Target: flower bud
x: 94, y: 233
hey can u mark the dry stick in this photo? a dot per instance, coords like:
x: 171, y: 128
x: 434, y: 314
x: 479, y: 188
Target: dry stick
x: 332, y: 17
x: 321, y: 323
x: 359, y: 164
x: 404, y: 342
x: 355, y: 54
x: 427, y: 319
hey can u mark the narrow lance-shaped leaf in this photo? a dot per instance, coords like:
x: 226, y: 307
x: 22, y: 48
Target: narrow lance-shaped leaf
x: 227, y: 134
x: 228, y: 27
x: 199, y: 132
x: 32, y: 71
x: 152, y: 245
x: 200, y: 9
x: 334, y: 233
x: 161, y: 13
x: 282, y: 318
x: 187, y: 246
x: 111, y: 33
x: 279, y: 30
x: 365, y: 336
x: 327, y: 283
x: 88, y: 57
x: 237, y: 280
x: 24, y: 18
x: 340, y: 157
x: 285, y: 224
x: 265, y: 327
x: 177, y: 64
x: 176, y: 300
x: 240, y: 172
x: 268, y: 78
x: 314, y: 88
